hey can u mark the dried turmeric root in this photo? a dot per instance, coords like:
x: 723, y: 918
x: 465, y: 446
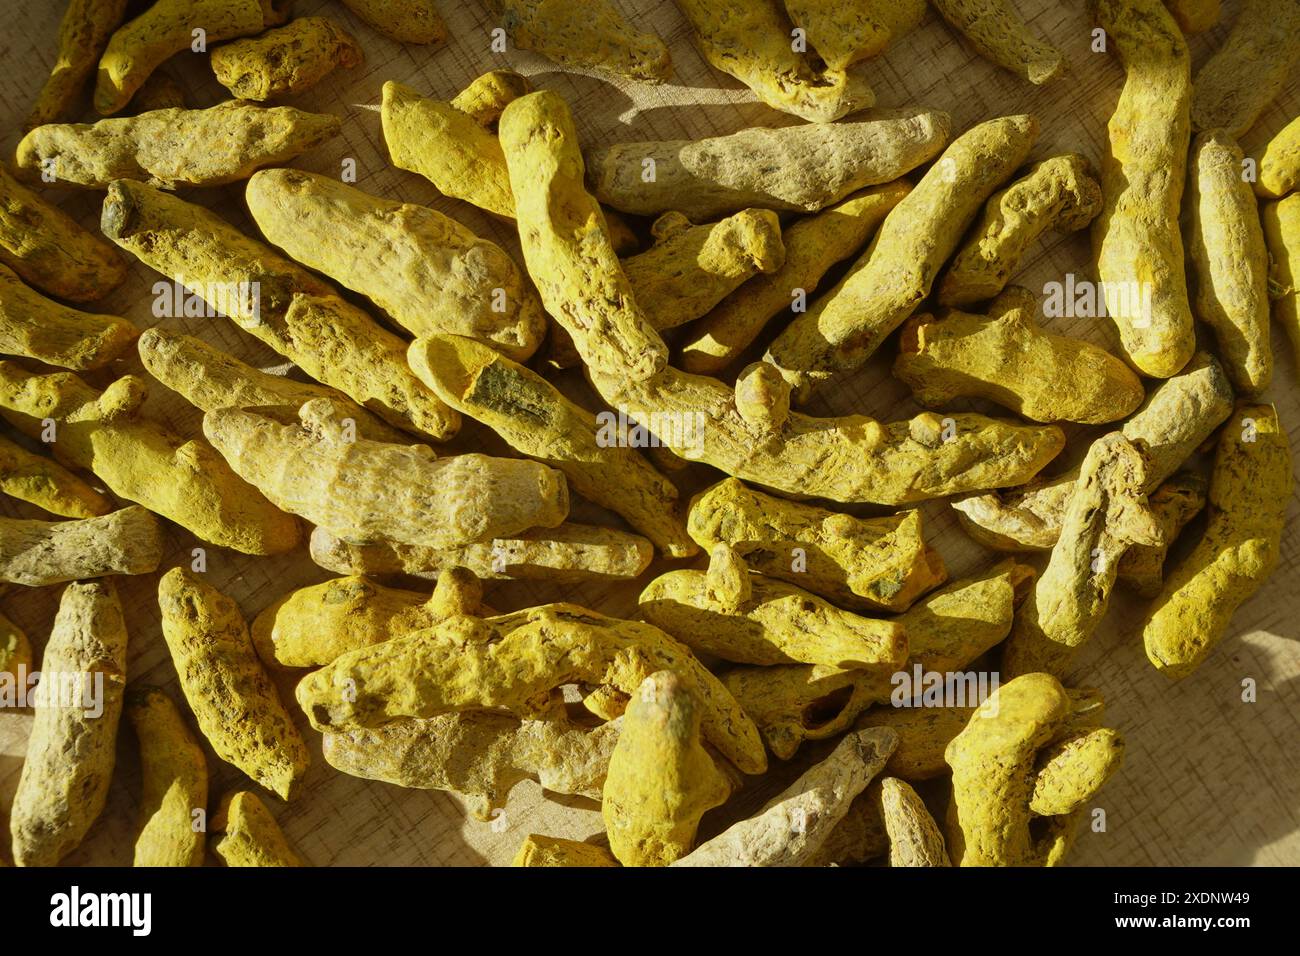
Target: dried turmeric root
x: 862, y: 564
x: 36, y: 327
x: 661, y: 778
x: 1195, y: 16
x: 175, y: 148
x: 139, y: 460
x: 588, y: 34
x: 235, y: 703
x: 914, y: 837
x: 38, y: 553
x: 998, y: 34
x: 71, y: 750
x: 1007, y: 358
x: 406, y: 21
x: 50, y: 251
x: 1279, y: 167
x: 750, y: 619
x: 1282, y: 233
x: 288, y: 60
x: 1249, y: 493
x: 516, y: 662
x: 841, y: 34
x: 277, y: 302
x: 1175, y: 504
x: 83, y: 34
x: 47, y: 484
x: 1022, y: 772
x: 398, y: 493
x: 566, y: 554
x: 537, y: 420
x: 540, y: 850
x: 427, y: 271
x: 251, y: 836
x: 138, y: 48
x: 174, y: 783
x: 1247, y: 73
x: 750, y: 40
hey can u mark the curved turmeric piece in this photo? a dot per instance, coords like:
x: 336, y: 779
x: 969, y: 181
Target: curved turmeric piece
x: 1058, y: 193
x: 748, y: 432
x: 998, y: 34
x: 1106, y: 514
x: 749, y: 619
x: 1137, y: 241
x: 536, y: 419
x: 406, y: 21
x: 1279, y: 166
x: 139, y: 460
x: 914, y: 837
x: 1282, y: 233
x: 884, y: 287
x: 517, y: 661
x: 393, y: 492
x: 38, y: 553
x: 287, y: 60
x: 858, y: 563
x: 250, y: 835
x: 174, y: 782
x: 840, y: 33
x: 588, y: 34
x: 47, y: 484
x: 1022, y: 773
x: 1249, y: 493
x: 139, y: 47
x: 1247, y: 73
x: 1175, y: 504
x: 83, y: 34
x: 751, y: 40
x: 538, y: 850
x: 1007, y: 358
x: 661, y: 778
x: 39, y: 328
x: 50, y: 250
x: 276, y: 301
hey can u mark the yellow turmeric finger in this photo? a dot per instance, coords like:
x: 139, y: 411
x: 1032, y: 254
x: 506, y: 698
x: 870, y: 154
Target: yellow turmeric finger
x: 588, y: 34
x: 174, y: 783
x: 287, y: 60
x: 886, y: 285
x: 1071, y: 772
x: 50, y: 251
x: 797, y: 168
x: 83, y: 35
x: 750, y: 619
x: 175, y: 148
x: 914, y: 838
x: 250, y: 835
x: 140, y: 46
x: 516, y: 661
x: 537, y: 420
x: 690, y: 269
x: 234, y: 701
x: 406, y: 21
x: 37, y: 553
x: 923, y: 735
x: 998, y: 33
x: 277, y: 302
x: 953, y: 626
x: 812, y: 246
x: 1195, y: 16
x: 487, y: 95
x: 747, y: 432
x: 33, y: 326
x: 874, y: 563
x: 479, y: 754
x: 1279, y: 167
x: 540, y: 850
x: 1137, y: 242
x: 1175, y: 504
x: 71, y: 750
x: 427, y: 271
x: 752, y: 42
x: 1231, y: 261
x: 1282, y: 233
x: 841, y: 34
x: 1252, y: 67
x: 566, y: 554
x: 312, y: 626
x: 141, y: 461
x: 1176, y: 419
x: 15, y: 652
x: 1249, y: 493
x: 1058, y: 193
x: 395, y: 492
x: 209, y: 379
x: 1106, y: 514
x: 1008, y: 358
x: 47, y: 484
x: 661, y: 778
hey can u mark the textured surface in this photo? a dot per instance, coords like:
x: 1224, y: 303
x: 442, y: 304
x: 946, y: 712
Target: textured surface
x: 1207, y: 779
